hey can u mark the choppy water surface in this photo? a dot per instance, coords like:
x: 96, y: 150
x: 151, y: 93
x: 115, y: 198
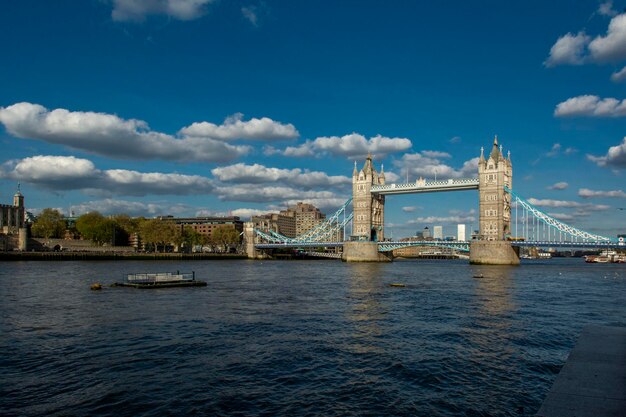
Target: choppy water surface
x: 320, y: 338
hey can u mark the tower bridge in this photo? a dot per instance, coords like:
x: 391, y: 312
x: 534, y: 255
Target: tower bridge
x: 502, y: 228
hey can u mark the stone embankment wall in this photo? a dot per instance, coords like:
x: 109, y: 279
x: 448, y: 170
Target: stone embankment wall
x: 75, y: 245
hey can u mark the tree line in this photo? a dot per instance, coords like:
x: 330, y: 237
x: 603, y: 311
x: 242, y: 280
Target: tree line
x: 113, y: 230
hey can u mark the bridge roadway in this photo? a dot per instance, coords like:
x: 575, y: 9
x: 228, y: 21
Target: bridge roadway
x: 391, y: 245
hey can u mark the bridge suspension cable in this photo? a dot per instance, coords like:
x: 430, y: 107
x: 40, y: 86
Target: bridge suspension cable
x: 549, y: 223
x: 324, y: 231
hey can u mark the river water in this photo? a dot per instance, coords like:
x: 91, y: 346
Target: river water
x: 318, y: 338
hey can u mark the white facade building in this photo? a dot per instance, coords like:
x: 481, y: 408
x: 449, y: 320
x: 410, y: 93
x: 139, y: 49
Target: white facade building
x: 460, y: 232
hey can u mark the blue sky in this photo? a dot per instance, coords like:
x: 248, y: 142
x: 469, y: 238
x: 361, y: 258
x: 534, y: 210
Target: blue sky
x: 200, y: 107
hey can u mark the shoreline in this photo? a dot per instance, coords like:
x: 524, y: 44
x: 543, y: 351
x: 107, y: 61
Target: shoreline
x: 112, y: 255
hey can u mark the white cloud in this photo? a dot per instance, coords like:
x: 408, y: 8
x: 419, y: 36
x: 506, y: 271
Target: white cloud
x: 137, y: 10
x: 243, y: 213
x: 132, y: 208
x: 235, y: 128
x: 436, y: 154
x: 615, y: 157
x: 564, y: 217
x: 591, y: 106
x: 327, y: 204
x: 587, y: 193
x: 556, y: 148
x: 619, y: 76
x: 455, y: 139
x: 581, y: 49
x: 443, y: 219
x: 611, y: 47
x: 242, y: 173
x: 568, y: 49
x: 409, y: 209
x: 254, y: 193
x: 606, y: 9
x: 71, y: 173
x: 302, y: 151
x: 250, y: 13
x: 109, y: 135
x: 420, y: 165
x: 567, y: 204
x: 351, y: 146
x: 558, y: 186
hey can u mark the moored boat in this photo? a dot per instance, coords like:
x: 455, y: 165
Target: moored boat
x: 161, y: 280
x: 607, y: 256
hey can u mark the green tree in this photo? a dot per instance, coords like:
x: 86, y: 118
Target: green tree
x: 49, y: 224
x: 96, y: 227
x: 125, y: 226
x: 225, y: 237
x: 158, y: 232
x: 191, y: 238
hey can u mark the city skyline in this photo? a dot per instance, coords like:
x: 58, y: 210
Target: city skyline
x: 217, y: 108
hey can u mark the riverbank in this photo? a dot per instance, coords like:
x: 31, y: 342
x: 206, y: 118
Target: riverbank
x: 114, y: 255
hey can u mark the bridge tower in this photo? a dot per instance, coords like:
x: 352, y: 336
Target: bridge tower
x: 369, y: 210
x: 494, y: 173
x: 368, y: 223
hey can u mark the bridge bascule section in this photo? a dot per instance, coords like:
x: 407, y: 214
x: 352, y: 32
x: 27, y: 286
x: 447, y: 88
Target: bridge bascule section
x: 506, y: 220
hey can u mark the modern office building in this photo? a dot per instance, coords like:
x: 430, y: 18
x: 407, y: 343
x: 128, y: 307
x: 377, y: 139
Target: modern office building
x: 460, y: 232
x: 438, y: 232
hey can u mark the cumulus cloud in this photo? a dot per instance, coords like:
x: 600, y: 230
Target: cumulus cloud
x: 254, y: 193
x: 132, y: 208
x: 60, y: 173
x: 567, y: 204
x: 606, y: 9
x: 556, y: 148
x: 350, y: 146
x: 619, y: 76
x: 328, y: 204
x: 420, y: 165
x: 137, y: 10
x: 242, y: 173
x: 558, y: 186
x: 568, y: 49
x: 580, y: 49
x: 436, y: 154
x: 587, y: 193
x: 615, y: 157
x: 611, y: 47
x: 443, y: 219
x: 564, y: 217
x: 591, y: 106
x: 250, y: 14
x: 243, y: 213
x: 235, y: 128
x: 409, y: 209
x: 112, y: 136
